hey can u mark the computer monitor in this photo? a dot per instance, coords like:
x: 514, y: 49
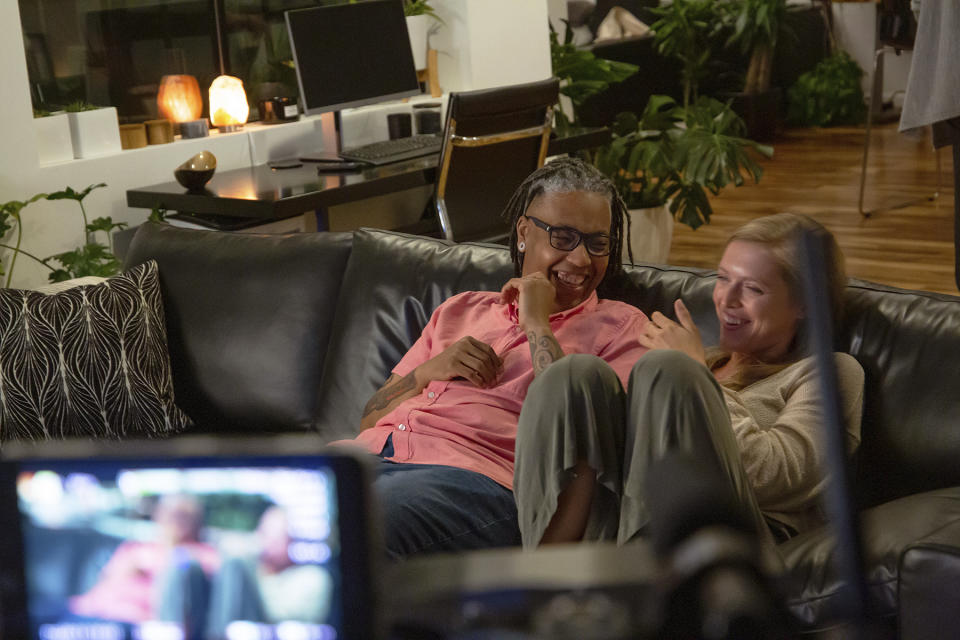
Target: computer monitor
x: 350, y: 55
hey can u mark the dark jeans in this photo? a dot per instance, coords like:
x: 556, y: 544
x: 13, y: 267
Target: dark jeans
x: 428, y: 508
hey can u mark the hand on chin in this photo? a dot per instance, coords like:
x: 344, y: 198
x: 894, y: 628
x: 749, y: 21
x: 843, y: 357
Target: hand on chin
x: 535, y: 295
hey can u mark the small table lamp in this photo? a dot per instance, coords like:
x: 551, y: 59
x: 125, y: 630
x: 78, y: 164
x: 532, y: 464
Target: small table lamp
x: 180, y: 102
x: 179, y: 98
x: 228, y: 104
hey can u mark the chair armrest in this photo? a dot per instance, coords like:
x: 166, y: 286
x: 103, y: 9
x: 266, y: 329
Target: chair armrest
x: 930, y: 585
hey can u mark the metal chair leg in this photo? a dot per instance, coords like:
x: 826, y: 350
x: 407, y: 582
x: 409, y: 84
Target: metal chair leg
x: 876, y: 101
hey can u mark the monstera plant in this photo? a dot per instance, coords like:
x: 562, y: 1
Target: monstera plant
x: 665, y: 162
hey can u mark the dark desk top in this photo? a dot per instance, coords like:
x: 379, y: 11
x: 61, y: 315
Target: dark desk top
x: 262, y: 192
x: 269, y: 194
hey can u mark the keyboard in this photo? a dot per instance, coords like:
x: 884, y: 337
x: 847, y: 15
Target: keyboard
x: 387, y: 151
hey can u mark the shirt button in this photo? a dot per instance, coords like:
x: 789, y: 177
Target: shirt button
x: 431, y: 395
x: 402, y: 427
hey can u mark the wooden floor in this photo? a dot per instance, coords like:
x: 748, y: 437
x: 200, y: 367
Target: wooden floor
x: 817, y: 172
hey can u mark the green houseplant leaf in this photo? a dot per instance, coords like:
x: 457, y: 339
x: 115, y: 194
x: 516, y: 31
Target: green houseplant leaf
x: 687, y: 30
x: 581, y: 74
x: 676, y: 154
x: 91, y: 258
x: 420, y: 8
x: 828, y: 95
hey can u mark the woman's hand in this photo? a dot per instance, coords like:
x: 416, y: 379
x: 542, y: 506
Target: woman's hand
x: 663, y: 333
x: 466, y: 358
x: 536, y: 298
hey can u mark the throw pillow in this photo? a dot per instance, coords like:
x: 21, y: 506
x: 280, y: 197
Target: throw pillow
x: 90, y: 361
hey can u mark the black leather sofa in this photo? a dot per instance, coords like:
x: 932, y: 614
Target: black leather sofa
x: 294, y: 333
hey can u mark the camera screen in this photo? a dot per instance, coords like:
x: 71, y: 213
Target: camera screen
x: 199, y: 549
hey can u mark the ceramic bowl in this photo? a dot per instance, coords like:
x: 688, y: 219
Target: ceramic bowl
x: 197, y: 171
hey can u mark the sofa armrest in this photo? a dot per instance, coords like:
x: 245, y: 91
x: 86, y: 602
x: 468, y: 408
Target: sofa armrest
x: 930, y: 584
x: 813, y: 584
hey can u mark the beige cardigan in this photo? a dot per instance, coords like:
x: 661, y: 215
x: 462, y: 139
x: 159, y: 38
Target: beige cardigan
x: 778, y: 424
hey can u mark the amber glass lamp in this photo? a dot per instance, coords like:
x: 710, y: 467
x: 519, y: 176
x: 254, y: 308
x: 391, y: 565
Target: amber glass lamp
x: 228, y: 103
x: 179, y: 98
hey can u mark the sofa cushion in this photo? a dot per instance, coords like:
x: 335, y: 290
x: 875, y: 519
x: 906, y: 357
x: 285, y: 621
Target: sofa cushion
x: 391, y: 286
x: 908, y: 343
x: 88, y: 361
x: 249, y: 319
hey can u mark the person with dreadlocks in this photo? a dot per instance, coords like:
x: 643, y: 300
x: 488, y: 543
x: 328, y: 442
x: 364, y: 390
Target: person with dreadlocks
x: 445, y: 422
x: 749, y: 407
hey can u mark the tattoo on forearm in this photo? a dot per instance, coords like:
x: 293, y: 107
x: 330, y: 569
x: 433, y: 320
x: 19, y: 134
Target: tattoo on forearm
x: 544, y: 351
x: 382, y: 398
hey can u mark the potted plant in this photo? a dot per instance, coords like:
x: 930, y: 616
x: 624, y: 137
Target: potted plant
x: 91, y: 258
x: 95, y: 131
x: 830, y: 94
x: 756, y: 27
x: 581, y: 75
x: 687, y: 30
x: 419, y: 14
x: 664, y: 163
x: 54, y: 143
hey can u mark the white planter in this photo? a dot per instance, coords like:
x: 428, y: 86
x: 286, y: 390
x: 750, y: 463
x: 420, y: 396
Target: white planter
x: 54, y: 143
x: 651, y: 232
x: 418, y: 27
x: 95, y: 133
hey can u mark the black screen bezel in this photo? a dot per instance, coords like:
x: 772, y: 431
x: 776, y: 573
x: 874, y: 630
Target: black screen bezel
x: 358, y: 530
x: 337, y: 46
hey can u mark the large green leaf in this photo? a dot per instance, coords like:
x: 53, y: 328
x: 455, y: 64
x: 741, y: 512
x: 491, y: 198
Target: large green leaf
x: 583, y: 74
x: 679, y: 153
x: 10, y: 212
x: 70, y: 194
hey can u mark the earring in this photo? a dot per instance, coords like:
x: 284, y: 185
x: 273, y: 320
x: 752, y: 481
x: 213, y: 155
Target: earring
x: 521, y: 246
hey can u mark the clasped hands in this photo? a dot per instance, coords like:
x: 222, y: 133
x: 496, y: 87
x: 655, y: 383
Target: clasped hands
x: 476, y: 361
x: 660, y: 332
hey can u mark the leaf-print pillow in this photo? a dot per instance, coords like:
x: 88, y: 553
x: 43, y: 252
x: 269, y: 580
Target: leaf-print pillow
x: 91, y: 361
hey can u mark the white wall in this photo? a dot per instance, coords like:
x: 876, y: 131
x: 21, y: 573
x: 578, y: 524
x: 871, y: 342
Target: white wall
x: 855, y: 29
x: 487, y: 43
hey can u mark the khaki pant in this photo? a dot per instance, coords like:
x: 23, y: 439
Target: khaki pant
x: 578, y: 409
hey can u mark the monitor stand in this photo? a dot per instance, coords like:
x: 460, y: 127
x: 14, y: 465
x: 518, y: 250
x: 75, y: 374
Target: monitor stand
x: 329, y: 160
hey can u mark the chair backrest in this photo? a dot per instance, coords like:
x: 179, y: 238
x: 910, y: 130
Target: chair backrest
x: 896, y: 24
x: 493, y: 139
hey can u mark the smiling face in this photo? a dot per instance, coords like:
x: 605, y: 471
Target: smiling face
x: 757, y: 312
x: 576, y: 273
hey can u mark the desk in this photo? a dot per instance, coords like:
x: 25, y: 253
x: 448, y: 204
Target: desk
x: 259, y: 194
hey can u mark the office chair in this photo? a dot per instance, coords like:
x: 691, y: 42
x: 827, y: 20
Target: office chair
x: 492, y: 140
x: 896, y: 32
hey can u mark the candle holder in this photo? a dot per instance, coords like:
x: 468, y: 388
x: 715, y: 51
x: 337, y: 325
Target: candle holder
x: 195, y: 129
x: 133, y: 136
x: 159, y: 131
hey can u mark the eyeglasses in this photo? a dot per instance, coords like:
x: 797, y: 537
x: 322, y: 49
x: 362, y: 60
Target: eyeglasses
x: 568, y: 238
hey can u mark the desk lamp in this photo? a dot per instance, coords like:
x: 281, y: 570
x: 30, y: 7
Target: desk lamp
x: 228, y: 104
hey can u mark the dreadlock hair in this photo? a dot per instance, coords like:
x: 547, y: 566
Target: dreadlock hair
x: 565, y: 175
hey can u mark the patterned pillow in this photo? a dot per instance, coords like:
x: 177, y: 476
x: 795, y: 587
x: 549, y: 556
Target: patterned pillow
x: 90, y: 361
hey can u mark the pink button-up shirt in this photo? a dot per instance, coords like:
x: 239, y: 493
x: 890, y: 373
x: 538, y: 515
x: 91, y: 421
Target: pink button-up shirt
x: 453, y: 422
